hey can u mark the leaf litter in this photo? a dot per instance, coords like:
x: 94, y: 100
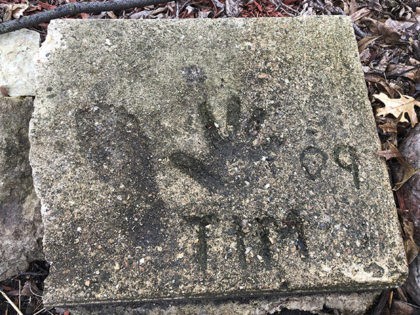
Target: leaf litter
x: 398, y: 107
x: 388, y: 34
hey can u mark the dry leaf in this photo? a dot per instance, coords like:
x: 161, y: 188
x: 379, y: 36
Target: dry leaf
x: 374, y: 78
x: 389, y: 127
x: 366, y: 41
x: 362, y: 13
x: 4, y: 91
x: 233, y: 8
x: 411, y: 248
x: 18, y: 9
x: 13, y: 10
x: 409, y: 72
x: 390, y: 153
x: 409, y: 172
x: 389, y: 33
x: 398, y: 107
x: 112, y: 15
x: 84, y: 15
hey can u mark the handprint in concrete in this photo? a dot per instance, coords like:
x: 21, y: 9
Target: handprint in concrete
x: 116, y: 149
x: 239, y: 171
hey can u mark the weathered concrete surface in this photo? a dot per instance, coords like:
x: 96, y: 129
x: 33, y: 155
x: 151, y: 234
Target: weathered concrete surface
x: 173, y: 161
x: 20, y: 216
x: 343, y: 304
x: 18, y: 51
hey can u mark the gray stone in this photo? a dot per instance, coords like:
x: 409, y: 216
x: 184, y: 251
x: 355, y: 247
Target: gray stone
x: 20, y: 216
x: 18, y: 51
x: 209, y: 159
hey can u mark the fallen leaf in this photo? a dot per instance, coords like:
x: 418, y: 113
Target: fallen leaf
x: 4, y: 91
x: 140, y: 15
x: 403, y: 308
x: 398, y: 107
x: 389, y: 127
x: 112, y: 15
x: 407, y: 169
x: 84, y: 15
x: 409, y: 172
x: 364, y: 12
x: 366, y: 41
x: 412, y: 284
x: 46, y: 5
x: 390, y: 33
x: 390, y: 153
x: 409, y: 72
x: 13, y: 10
x: 233, y: 8
x: 410, y: 245
x: 18, y: 10
x: 374, y: 78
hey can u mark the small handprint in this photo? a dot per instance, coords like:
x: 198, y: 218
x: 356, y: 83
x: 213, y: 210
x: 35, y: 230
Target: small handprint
x: 240, y: 144
x: 237, y: 171
x: 119, y: 153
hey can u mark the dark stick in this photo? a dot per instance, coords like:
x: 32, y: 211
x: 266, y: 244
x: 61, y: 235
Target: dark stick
x: 72, y: 9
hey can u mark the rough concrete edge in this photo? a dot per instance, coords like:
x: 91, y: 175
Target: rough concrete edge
x: 398, y: 232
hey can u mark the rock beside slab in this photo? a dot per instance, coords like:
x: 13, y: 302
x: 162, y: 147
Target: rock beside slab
x: 20, y: 216
x: 18, y: 53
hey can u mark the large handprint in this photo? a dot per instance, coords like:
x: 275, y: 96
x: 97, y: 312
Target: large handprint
x: 116, y: 149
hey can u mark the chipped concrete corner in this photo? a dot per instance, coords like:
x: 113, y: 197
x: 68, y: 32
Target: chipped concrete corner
x: 175, y: 161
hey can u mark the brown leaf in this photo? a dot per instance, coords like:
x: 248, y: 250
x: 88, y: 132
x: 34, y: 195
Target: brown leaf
x: 409, y: 72
x: 46, y: 5
x: 409, y: 172
x: 412, y: 284
x: 390, y: 34
x: 4, y: 91
x: 359, y: 14
x: 112, y: 15
x: 411, y: 248
x: 366, y: 41
x: 407, y: 169
x: 398, y: 107
x: 390, y: 153
x: 389, y: 127
x: 14, y: 10
x: 374, y: 78
x: 403, y: 308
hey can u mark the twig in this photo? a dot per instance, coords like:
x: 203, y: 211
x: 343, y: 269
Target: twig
x: 40, y: 311
x: 72, y: 9
x: 11, y: 302
x: 20, y: 289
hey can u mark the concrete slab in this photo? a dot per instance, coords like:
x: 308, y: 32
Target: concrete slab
x: 209, y: 159
x: 20, y: 215
x: 18, y: 51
